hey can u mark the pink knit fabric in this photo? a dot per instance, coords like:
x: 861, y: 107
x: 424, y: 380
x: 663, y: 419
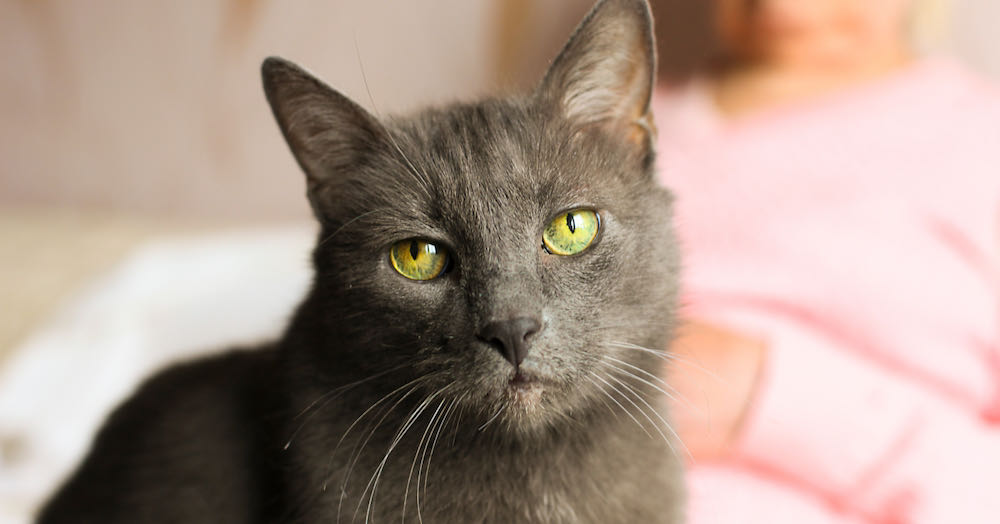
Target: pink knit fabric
x: 859, y: 234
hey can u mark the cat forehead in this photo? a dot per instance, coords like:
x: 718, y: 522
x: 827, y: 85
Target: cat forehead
x: 463, y: 141
x: 499, y: 151
x: 479, y: 171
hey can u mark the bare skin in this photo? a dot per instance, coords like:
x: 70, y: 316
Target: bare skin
x: 716, y: 372
x: 781, y: 51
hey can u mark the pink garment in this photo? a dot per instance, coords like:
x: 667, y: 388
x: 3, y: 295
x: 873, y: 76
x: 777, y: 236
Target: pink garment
x: 859, y: 234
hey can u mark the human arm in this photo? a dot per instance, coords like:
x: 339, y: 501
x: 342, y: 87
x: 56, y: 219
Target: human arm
x: 714, y: 371
x: 870, y: 441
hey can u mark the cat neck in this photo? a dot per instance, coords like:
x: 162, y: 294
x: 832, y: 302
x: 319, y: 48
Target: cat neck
x: 460, y: 460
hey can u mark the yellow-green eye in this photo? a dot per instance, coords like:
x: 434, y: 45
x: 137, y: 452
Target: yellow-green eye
x: 418, y: 259
x: 571, y: 232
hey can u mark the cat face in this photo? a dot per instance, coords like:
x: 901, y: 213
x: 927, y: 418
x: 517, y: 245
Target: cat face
x: 511, y: 256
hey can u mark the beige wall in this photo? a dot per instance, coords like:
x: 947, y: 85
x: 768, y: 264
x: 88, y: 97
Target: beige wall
x: 155, y: 107
x: 974, y: 34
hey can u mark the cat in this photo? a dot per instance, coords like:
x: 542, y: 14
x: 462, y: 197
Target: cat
x: 481, y: 341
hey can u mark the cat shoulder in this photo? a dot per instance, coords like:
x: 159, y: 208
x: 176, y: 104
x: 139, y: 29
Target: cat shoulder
x: 187, y: 398
x: 179, y: 446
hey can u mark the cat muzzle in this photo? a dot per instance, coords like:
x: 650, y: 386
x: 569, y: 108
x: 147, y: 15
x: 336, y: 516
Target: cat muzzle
x: 511, y: 337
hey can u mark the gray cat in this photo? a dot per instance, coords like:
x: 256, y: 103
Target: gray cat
x: 481, y: 342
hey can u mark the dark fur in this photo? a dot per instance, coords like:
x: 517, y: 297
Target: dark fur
x: 297, y: 431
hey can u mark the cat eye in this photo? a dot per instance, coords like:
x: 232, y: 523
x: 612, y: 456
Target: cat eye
x: 418, y: 259
x: 571, y: 232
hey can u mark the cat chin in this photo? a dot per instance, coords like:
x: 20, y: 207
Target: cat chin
x: 525, y: 395
x: 535, y: 407
x: 512, y: 404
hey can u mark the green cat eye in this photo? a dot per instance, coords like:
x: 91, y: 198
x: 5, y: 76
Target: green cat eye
x: 571, y: 232
x: 418, y: 259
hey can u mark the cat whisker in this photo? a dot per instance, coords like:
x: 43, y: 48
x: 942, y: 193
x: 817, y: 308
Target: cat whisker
x: 659, y: 353
x: 463, y: 408
x: 329, y: 237
x: 327, y: 397
x: 419, y: 175
x: 373, y: 482
x: 359, y: 448
x: 657, y: 414
x: 633, y: 404
x: 675, y: 396
x: 634, y: 323
x: 652, y: 376
x: 413, y: 465
x: 619, y: 404
x: 494, y: 417
x: 411, y: 384
x: 431, y: 442
x: 666, y: 356
x: 440, y: 429
x: 601, y: 398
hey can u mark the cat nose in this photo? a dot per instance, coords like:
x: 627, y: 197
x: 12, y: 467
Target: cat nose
x: 511, y: 336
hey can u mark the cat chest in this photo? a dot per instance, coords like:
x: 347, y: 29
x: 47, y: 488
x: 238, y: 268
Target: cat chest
x: 459, y: 486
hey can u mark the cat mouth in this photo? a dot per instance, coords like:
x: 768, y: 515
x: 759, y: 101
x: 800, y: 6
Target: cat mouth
x: 524, y: 389
x: 522, y: 380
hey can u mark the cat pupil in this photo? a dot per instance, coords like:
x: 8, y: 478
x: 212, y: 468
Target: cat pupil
x: 414, y: 252
x: 571, y: 222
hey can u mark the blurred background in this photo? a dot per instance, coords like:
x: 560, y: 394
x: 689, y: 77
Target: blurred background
x: 127, y: 123
x: 122, y: 119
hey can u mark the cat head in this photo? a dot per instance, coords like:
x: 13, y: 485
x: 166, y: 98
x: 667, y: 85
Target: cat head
x: 510, y: 255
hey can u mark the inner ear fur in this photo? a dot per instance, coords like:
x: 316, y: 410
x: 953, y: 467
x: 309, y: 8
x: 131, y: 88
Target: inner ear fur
x: 605, y: 73
x: 326, y: 131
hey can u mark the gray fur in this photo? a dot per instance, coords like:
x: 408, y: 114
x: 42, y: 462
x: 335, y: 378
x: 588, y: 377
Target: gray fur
x: 381, y: 403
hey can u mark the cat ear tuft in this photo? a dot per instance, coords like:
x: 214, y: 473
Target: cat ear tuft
x: 325, y: 130
x: 605, y: 73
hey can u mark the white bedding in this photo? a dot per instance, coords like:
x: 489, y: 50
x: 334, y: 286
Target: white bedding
x: 171, y: 299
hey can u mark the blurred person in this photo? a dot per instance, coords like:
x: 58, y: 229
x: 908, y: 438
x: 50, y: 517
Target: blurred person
x: 838, y: 198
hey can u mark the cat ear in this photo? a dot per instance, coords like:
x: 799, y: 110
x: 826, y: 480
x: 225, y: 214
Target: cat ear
x: 605, y: 74
x: 325, y: 130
